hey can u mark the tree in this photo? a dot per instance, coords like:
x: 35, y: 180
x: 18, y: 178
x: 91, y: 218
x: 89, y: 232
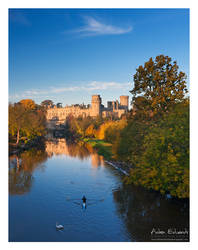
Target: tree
x: 160, y: 83
x: 47, y: 103
x: 113, y: 131
x: 16, y: 119
x: 34, y: 124
x: 25, y: 121
x: 141, y: 109
x: 28, y: 103
x: 59, y: 105
x: 161, y: 155
x: 141, y: 103
x: 90, y: 131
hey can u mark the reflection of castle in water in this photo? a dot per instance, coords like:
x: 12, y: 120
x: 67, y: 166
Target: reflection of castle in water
x: 61, y: 147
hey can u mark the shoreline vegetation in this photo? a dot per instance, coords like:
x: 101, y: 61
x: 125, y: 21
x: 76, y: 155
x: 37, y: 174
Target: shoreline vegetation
x: 27, y: 125
x: 150, y: 152
x: 37, y: 142
x: 154, y: 136
x: 105, y: 149
x: 150, y: 143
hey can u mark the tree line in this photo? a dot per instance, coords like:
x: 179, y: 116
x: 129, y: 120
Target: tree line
x: 96, y: 128
x: 154, y: 136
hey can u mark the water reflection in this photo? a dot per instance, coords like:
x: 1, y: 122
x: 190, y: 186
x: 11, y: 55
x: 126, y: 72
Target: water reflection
x: 130, y: 215
x: 21, y: 167
x: 21, y: 170
x: 143, y: 211
x: 79, y: 150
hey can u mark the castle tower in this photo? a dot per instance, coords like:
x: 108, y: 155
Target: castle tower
x: 96, y: 105
x: 124, y: 101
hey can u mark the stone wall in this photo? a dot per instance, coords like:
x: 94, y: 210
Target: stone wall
x: 57, y: 116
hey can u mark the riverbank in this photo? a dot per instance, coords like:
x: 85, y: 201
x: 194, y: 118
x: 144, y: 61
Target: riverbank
x: 105, y: 149
x: 120, y: 166
x: 22, y: 146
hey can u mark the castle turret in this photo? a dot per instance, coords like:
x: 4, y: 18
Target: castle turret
x: 124, y: 101
x: 96, y: 105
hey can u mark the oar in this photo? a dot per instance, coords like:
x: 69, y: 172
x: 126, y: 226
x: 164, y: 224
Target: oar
x: 67, y: 198
x: 76, y: 203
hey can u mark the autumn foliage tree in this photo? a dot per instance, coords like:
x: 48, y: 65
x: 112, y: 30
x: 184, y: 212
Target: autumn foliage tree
x: 160, y: 83
x: 90, y: 131
x: 156, y: 140
x: 16, y: 119
x: 28, y: 104
x: 26, y: 119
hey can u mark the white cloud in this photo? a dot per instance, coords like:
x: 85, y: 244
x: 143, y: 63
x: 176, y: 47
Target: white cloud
x: 63, y: 89
x: 91, y: 86
x: 93, y: 27
x: 106, y: 85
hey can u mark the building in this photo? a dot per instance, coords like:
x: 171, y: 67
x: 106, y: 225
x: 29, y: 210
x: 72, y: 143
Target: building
x: 57, y: 116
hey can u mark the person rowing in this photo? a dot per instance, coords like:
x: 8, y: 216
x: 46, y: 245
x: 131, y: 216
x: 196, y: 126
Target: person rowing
x: 84, y: 199
x: 85, y: 202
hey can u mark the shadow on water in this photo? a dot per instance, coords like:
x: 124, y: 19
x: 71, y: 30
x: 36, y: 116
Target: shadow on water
x: 150, y: 216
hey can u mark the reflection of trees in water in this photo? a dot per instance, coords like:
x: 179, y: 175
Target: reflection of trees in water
x: 97, y: 160
x: 80, y: 150
x: 21, y: 169
x: 143, y: 210
x: 60, y: 146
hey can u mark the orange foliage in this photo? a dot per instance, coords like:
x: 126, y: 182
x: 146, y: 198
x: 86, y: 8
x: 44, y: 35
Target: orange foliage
x: 28, y: 103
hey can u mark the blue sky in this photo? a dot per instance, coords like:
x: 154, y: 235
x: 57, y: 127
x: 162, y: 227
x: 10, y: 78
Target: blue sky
x: 67, y: 55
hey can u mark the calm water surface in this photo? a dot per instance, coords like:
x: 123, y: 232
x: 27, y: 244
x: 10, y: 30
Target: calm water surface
x: 46, y: 186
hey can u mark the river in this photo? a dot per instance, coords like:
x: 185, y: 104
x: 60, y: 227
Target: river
x: 46, y: 186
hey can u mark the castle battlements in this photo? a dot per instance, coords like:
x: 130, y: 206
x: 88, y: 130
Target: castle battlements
x: 57, y: 116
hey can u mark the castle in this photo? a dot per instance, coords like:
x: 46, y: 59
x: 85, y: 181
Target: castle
x: 57, y: 116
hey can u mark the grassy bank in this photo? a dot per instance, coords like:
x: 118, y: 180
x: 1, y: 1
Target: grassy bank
x: 103, y: 148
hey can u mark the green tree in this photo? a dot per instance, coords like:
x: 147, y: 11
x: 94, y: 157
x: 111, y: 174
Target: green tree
x: 34, y: 124
x: 113, y: 131
x: 59, y: 105
x: 47, y: 103
x: 128, y: 146
x: 163, y: 155
x: 160, y: 83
